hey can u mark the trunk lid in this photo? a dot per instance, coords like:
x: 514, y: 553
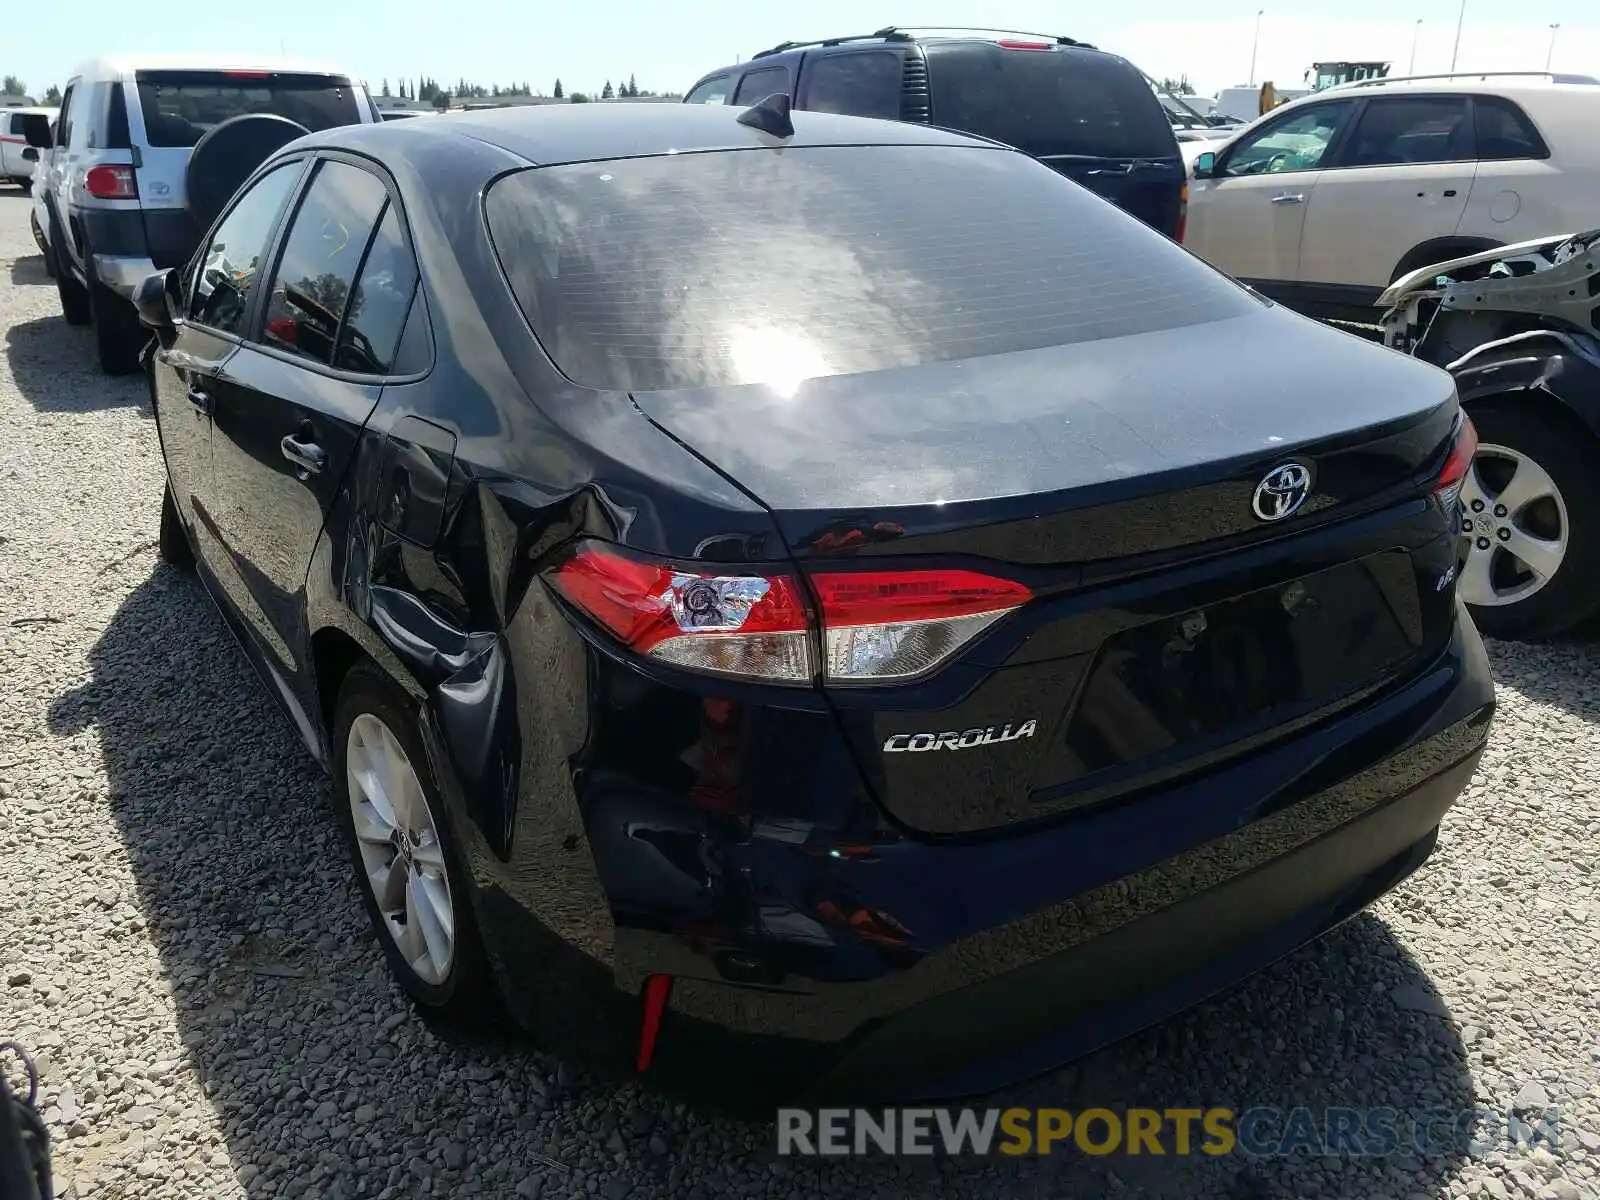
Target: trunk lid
x: 1170, y: 625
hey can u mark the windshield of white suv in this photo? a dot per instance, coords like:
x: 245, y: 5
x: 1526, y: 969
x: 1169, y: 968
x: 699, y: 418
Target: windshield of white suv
x: 180, y: 107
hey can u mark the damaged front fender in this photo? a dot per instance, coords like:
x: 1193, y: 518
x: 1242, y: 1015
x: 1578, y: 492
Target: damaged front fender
x: 1548, y: 283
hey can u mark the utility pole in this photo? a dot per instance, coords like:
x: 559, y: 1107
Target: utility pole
x: 1415, y: 34
x: 1460, y: 20
x: 1255, y: 44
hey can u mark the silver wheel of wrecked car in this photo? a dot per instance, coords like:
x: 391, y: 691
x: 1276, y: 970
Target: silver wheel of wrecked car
x: 1518, y: 327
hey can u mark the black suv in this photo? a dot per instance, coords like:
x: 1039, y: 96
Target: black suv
x: 1090, y: 115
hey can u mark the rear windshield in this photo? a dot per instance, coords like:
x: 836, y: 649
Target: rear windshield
x: 181, y: 106
x: 1048, y: 102
x: 699, y: 270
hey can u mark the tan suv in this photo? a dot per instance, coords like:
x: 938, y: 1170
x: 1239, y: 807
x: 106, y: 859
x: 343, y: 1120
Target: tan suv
x: 1324, y: 202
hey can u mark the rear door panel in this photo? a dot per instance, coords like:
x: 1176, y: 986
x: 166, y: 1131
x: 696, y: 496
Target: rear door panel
x: 1383, y: 193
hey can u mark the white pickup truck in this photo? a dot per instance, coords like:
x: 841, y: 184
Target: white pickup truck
x: 14, y: 167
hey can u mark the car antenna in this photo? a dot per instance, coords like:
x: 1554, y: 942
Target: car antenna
x: 770, y: 116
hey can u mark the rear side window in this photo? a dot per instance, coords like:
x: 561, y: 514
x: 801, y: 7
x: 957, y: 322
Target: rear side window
x: 1504, y: 131
x: 107, y: 118
x: 1411, y: 129
x: 321, y: 255
x: 758, y: 85
x: 862, y: 83
x: 699, y: 270
x: 180, y: 107
x: 371, y: 332
x: 1048, y: 102
x: 712, y: 91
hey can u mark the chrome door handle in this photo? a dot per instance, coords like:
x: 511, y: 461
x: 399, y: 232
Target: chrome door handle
x: 1289, y: 198
x: 201, y: 401
x: 308, y: 456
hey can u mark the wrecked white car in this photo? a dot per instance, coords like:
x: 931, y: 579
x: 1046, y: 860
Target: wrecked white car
x: 1519, y: 328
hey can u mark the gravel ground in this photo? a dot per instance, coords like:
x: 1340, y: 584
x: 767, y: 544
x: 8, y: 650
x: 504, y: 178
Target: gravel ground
x: 180, y: 941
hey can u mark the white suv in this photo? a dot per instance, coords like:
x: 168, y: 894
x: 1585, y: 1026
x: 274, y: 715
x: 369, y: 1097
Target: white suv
x: 1324, y: 202
x: 115, y: 186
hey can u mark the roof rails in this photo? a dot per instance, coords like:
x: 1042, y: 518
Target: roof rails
x: 1552, y: 76
x: 908, y: 33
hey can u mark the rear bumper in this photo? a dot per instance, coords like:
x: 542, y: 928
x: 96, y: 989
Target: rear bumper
x: 1316, y: 829
x: 122, y: 274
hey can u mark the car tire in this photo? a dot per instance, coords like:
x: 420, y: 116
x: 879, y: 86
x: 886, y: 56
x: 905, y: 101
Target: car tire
x: 75, y: 306
x: 1530, y: 431
x: 172, y: 542
x: 119, y: 336
x: 374, y: 719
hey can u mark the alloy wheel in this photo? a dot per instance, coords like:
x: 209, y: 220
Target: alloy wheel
x: 1517, y: 520
x: 401, y: 854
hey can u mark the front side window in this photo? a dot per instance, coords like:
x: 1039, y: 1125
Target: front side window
x: 1296, y: 143
x: 321, y: 254
x: 1403, y: 130
x: 181, y: 107
x: 756, y: 86
x: 700, y: 270
x: 712, y: 91
x: 231, y: 267
x: 68, y: 117
x: 857, y: 84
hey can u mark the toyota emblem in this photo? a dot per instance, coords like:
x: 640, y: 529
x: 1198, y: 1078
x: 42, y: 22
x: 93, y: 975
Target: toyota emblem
x: 1282, y: 492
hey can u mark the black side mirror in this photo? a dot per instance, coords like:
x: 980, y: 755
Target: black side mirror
x: 1205, y: 165
x: 36, y: 131
x: 30, y: 154
x: 157, y: 300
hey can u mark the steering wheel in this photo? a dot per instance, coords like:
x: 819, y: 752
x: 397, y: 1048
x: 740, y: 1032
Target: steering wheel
x: 1281, y: 156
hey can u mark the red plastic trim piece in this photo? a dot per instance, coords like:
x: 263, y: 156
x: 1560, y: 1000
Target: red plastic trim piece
x: 657, y: 989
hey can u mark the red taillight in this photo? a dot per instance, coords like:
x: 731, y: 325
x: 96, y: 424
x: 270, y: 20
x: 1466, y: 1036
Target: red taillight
x: 1447, y: 488
x: 1183, y: 215
x: 722, y: 624
x: 111, y: 183
x: 1017, y: 44
x: 248, y: 74
x: 876, y: 626
x: 886, y: 625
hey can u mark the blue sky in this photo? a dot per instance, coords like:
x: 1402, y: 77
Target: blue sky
x: 667, y: 45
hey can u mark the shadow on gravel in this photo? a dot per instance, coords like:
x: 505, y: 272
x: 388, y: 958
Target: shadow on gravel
x: 325, y: 1083
x: 25, y: 272
x: 55, y: 369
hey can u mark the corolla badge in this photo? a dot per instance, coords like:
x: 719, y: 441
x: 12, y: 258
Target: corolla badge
x: 1282, y: 492
x: 959, y: 739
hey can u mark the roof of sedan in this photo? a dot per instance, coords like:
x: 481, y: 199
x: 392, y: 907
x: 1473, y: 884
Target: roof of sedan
x: 560, y: 133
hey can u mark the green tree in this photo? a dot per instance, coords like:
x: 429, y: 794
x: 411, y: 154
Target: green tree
x: 441, y: 100
x: 12, y: 86
x: 53, y: 96
x: 633, y: 87
x: 559, y: 94
x: 578, y: 98
x: 1177, y: 87
x: 608, y: 92
x: 386, y: 91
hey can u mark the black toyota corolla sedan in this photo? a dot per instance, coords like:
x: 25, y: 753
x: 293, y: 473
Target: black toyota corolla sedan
x: 814, y: 609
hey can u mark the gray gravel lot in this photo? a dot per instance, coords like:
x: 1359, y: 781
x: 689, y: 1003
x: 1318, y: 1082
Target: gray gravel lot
x: 180, y: 940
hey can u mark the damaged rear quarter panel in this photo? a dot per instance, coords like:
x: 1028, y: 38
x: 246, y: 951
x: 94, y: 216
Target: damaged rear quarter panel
x: 501, y: 460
